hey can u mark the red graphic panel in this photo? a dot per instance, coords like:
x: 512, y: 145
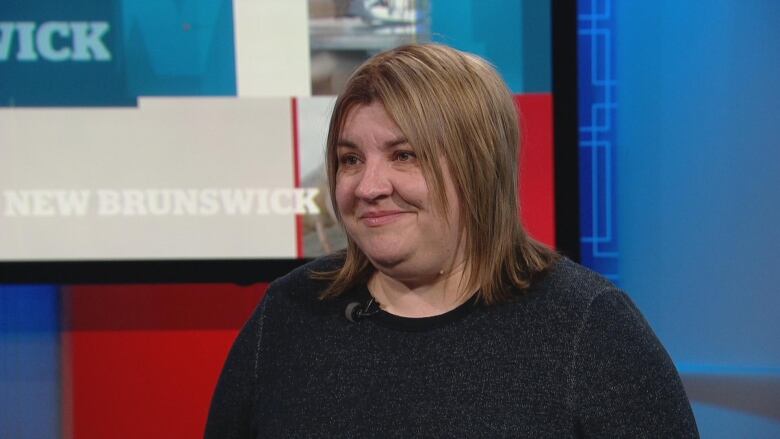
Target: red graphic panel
x: 537, y: 166
x: 143, y: 360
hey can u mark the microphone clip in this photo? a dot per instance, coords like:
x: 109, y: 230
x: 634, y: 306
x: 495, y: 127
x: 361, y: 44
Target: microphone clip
x: 354, y: 312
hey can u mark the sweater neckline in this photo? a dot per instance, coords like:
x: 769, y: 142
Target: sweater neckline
x: 419, y: 324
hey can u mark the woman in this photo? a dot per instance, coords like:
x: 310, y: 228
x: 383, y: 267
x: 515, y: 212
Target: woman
x: 442, y: 318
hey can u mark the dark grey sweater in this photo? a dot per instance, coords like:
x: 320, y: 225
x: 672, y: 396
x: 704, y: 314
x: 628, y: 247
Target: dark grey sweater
x: 571, y: 357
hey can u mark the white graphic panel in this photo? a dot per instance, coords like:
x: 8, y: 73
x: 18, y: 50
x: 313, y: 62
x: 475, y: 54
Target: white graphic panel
x: 272, y: 48
x: 174, y: 178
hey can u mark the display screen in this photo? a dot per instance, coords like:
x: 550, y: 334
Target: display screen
x: 163, y: 130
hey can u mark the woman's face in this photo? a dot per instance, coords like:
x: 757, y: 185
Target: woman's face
x: 385, y: 203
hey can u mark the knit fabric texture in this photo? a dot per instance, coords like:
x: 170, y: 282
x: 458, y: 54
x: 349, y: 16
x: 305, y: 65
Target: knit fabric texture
x: 569, y: 357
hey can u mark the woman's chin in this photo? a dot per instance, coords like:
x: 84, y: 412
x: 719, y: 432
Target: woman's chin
x: 385, y: 260
x: 404, y: 270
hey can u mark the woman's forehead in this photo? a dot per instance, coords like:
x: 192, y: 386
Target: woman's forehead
x: 369, y: 121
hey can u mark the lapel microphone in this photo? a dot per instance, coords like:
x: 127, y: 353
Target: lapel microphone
x: 354, y: 312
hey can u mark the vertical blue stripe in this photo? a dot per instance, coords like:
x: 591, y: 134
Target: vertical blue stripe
x: 597, y: 84
x: 29, y: 362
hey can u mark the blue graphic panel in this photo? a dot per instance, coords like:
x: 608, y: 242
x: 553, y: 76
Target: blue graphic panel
x: 597, y: 83
x: 179, y: 48
x: 696, y: 205
x: 718, y: 423
x: 505, y: 32
x: 56, y: 53
x: 108, y: 53
x: 29, y: 362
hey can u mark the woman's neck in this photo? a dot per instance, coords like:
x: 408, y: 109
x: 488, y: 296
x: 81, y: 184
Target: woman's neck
x: 421, y: 297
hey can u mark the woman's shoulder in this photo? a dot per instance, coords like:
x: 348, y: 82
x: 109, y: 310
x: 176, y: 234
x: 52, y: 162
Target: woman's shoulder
x: 307, y: 274
x: 296, y: 295
x: 569, y: 297
x: 570, y: 283
x: 623, y: 382
x: 306, y: 283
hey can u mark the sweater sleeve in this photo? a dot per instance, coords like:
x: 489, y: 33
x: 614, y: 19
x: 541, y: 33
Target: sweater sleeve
x: 230, y: 415
x: 624, y: 383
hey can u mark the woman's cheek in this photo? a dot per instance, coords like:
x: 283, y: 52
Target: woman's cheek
x: 344, y: 194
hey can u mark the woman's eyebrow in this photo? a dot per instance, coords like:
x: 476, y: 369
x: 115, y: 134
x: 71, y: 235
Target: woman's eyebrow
x: 395, y: 142
x: 346, y: 143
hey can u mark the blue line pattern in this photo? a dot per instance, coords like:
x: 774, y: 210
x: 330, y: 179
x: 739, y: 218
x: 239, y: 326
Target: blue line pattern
x: 597, y: 82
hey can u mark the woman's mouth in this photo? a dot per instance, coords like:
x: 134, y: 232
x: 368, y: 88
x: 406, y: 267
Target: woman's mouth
x: 380, y: 217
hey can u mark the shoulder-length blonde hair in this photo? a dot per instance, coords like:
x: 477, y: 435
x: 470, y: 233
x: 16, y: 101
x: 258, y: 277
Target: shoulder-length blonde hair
x: 450, y: 105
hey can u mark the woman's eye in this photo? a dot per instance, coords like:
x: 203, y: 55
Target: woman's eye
x: 404, y: 156
x: 349, y: 160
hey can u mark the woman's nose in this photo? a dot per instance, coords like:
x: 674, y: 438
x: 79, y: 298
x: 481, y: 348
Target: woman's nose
x: 374, y: 182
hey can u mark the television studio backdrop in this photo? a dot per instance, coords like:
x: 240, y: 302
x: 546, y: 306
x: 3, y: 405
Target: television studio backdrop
x: 161, y: 161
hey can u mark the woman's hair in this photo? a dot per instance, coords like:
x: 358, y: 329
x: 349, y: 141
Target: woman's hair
x: 451, y: 105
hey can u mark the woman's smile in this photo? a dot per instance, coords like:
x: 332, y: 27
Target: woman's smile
x: 376, y: 218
